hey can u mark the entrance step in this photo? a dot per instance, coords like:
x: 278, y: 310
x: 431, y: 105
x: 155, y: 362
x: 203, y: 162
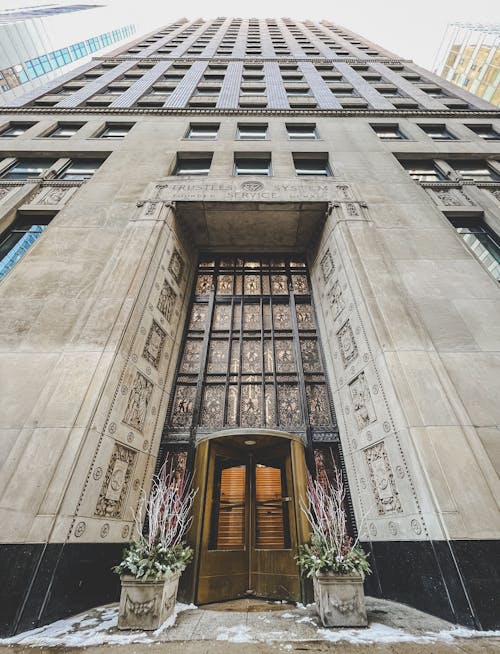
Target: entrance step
x: 249, y: 605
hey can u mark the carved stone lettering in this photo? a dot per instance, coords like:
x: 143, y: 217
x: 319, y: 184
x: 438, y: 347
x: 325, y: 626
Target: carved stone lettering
x: 116, y: 483
x: 138, y: 401
x: 362, y: 404
x: 347, y: 342
x: 166, y: 301
x: 154, y: 344
x: 327, y: 265
x: 382, y: 480
x: 176, y: 266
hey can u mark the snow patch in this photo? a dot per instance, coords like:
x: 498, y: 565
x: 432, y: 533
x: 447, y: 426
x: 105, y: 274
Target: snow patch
x: 238, y: 634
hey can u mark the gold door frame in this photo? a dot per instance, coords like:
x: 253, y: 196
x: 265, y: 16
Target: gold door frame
x: 201, y: 481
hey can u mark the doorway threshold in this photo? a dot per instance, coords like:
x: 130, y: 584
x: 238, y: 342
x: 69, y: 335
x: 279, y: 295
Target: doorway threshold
x: 249, y: 605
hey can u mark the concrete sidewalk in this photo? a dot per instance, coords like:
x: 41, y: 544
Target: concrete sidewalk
x: 257, y: 627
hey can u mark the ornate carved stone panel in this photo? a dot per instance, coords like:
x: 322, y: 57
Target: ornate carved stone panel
x: 154, y: 344
x: 198, y: 318
x: 347, y: 343
x: 327, y: 266
x: 362, y: 404
x: 191, y: 359
x: 304, y: 316
x: 251, y: 405
x: 116, y: 483
x: 166, y: 301
x: 212, y: 412
x: 51, y: 195
x: 176, y: 266
x: 336, y: 299
x: 310, y: 355
x: 290, y: 414
x: 382, y: 480
x: 138, y: 401
x: 317, y: 401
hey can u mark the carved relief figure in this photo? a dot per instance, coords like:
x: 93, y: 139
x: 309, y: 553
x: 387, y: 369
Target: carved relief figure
x: 336, y: 299
x: 225, y: 285
x: 300, y: 284
x: 362, y: 404
x: 138, y: 401
x: 310, y: 355
x: 289, y: 411
x: 154, y: 344
x: 304, y: 316
x: 203, y: 284
x: 382, y: 480
x: 327, y: 266
x: 166, y: 301
x: 251, y: 405
x: 182, y: 412
x: 319, y: 413
x: 348, y: 347
x: 191, y: 358
x: 198, y: 316
x: 279, y: 285
x: 281, y: 316
x: 176, y: 266
x: 252, y: 284
x: 212, y: 414
x: 116, y: 483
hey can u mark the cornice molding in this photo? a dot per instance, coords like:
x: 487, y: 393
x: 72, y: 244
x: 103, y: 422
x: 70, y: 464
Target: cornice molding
x: 205, y: 111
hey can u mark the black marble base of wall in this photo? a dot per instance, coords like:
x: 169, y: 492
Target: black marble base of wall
x: 458, y: 581
x: 455, y: 580
x: 42, y: 583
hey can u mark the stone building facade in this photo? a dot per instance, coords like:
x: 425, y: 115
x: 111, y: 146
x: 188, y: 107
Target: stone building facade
x: 342, y: 207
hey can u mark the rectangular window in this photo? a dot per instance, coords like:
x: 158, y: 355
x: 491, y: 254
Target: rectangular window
x: 65, y: 130
x: 486, y: 132
x: 423, y: 171
x: 18, y: 238
x: 252, y: 163
x: 80, y: 169
x: 252, y: 131
x: 298, y: 131
x: 115, y: 131
x: 476, y: 171
x: 387, y: 132
x: 27, y: 168
x: 204, y: 131
x: 193, y: 163
x: 482, y: 241
x: 314, y: 163
x: 15, y: 129
x: 438, y: 132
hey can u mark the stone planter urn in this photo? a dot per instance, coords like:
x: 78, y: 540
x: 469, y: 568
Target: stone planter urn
x: 147, y: 604
x: 340, y: 600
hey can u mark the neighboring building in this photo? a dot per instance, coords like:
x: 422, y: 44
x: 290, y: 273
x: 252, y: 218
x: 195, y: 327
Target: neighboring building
x: 260, y: 246
x: 469, y: 56
x: 37, y: 44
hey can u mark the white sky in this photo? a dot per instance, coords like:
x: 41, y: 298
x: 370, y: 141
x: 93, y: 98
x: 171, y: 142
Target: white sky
x: 413, y: 29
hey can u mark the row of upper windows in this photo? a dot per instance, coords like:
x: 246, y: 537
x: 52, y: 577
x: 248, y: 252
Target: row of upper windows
x: 250, y: 131
x: 438, y: 170
x: 253, y: 163
x: 68, y: 129
x: 75, y: 169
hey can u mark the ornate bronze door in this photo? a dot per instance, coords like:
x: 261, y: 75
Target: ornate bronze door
x: 250, y: 360
x: 249, y: 536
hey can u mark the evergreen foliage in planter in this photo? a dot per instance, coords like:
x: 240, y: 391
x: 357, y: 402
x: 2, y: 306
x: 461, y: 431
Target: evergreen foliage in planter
x: 152, y: 564
x: 336, y: 563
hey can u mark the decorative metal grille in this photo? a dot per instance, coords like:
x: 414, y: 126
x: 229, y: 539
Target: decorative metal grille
x: 251, y: 356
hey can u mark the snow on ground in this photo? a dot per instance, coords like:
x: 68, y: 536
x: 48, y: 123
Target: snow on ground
x: 99, y: 627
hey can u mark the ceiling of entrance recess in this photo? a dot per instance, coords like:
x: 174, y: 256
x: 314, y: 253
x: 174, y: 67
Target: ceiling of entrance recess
x: 252, y: 224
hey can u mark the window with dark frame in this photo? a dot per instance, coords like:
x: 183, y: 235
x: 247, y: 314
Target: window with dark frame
x: 19, y: 237
x: 486, y: 132
x: 313, y: 163
x: 388, y: 132
x: 115, y: 130
x: 65, y: 130
x: 15, y: 129
x: 423, y: 171
x: 27, y: 168
x: 252, y: 131
x: 203, y: 131
x: 438, y: 132
x: 300, y: 131
x: 481, y: 240
x: 252, y: 163
x: 475, y: 171
x: 80, y: 169
x: 192, y: 163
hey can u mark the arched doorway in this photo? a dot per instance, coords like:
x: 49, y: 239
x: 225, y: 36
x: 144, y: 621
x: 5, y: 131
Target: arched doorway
x: 251, y: 487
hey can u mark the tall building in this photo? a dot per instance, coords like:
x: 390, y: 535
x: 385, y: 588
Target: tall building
x: 257, y: 247
x: 39, y: 43
x: 469, y: 56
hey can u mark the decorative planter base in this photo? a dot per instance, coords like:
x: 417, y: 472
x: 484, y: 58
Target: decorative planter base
x: 146, y: 604
x: 340, y: 600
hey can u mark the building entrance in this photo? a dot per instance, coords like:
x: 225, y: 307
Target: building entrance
x: 249, y: 405
x: 249, y: 536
